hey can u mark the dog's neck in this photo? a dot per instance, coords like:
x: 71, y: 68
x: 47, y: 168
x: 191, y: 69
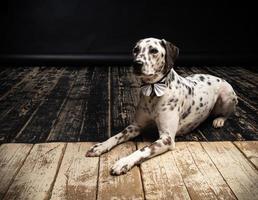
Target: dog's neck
x: 159, y: 87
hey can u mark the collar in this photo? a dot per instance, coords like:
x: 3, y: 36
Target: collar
x: 155, y: 89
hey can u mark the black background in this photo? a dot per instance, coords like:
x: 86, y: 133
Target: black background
x: 110, y: 27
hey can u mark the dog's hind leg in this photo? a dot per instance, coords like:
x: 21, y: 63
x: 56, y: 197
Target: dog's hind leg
x: 225, y: 104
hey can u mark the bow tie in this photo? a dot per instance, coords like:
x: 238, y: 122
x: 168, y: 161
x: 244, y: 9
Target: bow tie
x: 157, y: 88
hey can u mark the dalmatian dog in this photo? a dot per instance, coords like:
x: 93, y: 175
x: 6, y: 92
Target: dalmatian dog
x: 176, y: 104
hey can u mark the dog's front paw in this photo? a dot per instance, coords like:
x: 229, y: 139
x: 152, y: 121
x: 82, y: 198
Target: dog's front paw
x: 96, y: 150
x: 121, y: 166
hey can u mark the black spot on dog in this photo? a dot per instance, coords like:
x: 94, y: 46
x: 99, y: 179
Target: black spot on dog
x: 189, y: 90
x: 166, y: 141
x: 164, y: 109
x: 197, y: 108
x: 201, y: 78
x: 178, y: 81
x: 218, y: 80
x: 143, y: 149
x: 124, y: 131
x: 193, y: 102
x: 171, y: 100
x: 162, y: 55
x: 201, y: 99
x: 201, y: 104
x: 209, y: 83
x: 186, y: 113
x: 172, y: 76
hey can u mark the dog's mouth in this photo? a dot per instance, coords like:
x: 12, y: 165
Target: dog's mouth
x: 140, y: 74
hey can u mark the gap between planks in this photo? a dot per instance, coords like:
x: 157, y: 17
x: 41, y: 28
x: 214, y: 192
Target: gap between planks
x: 112, y: 185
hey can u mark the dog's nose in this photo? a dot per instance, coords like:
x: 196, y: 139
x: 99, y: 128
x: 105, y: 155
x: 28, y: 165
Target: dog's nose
x: 137, y: 65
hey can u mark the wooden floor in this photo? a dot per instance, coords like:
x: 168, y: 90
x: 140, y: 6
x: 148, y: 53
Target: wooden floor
x: 64, y: 104
x: 50, y: 116
x: 194, y: 170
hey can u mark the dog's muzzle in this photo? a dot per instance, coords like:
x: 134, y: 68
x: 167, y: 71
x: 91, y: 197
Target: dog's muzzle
x: 137, y: 67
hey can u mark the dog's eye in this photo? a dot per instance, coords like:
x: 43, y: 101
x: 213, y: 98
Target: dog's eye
x: 136, y: 50
x: 153, y: 51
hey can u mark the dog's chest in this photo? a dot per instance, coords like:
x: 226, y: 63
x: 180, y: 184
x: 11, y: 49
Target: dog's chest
x: 157, y: 105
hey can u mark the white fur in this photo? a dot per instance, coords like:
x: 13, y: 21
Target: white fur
x: 187, y: 102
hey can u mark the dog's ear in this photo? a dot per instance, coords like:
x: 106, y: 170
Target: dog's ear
x: 172, y: 53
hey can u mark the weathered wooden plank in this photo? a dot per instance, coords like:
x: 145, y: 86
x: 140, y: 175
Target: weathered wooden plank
x: 209, y: 171
x: 69, y: 122
x: 78, y: 175
x: 125, y: 96
x: 247, y: 75
x: 22, y: 91
x: 22, y: 104
x: 96, y: 116
x: 161, y: 178
x: 37, y: 175
x: 250, y: 150
x: 126, y: 186
x: 237, y: 171
x: 12, y: 157
x: 12, y: 78
x: 38, y: 128
x: 197, y: 183
x: 4, y: 71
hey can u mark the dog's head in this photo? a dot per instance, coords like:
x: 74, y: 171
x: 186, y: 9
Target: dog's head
x: 153, y: 58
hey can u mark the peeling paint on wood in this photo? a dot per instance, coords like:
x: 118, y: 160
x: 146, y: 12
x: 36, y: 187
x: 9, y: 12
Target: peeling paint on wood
x: 78, y: 175
x: 12, y: 157
x: 37, y: 175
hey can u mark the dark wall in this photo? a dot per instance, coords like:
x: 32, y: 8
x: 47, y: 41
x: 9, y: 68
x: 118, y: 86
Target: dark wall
x: 112, y: 27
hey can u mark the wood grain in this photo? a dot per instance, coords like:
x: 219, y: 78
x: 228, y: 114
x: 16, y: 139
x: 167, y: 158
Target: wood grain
x: 78, y: 175
x: 197, y: 183
x: 237, y: 171
x: 95, y: 115
x: 161, y: 178
x: 22, y: 91
x: 12, y: 157
x: 37, y: 175
x: 250, y: 150
x: 12, y: 78
x: 23, y: 101
x: 128, y: 186
x: 125, y: 90
x: 41, y: 123
x: 69, y: 122
x: 209, y: 171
